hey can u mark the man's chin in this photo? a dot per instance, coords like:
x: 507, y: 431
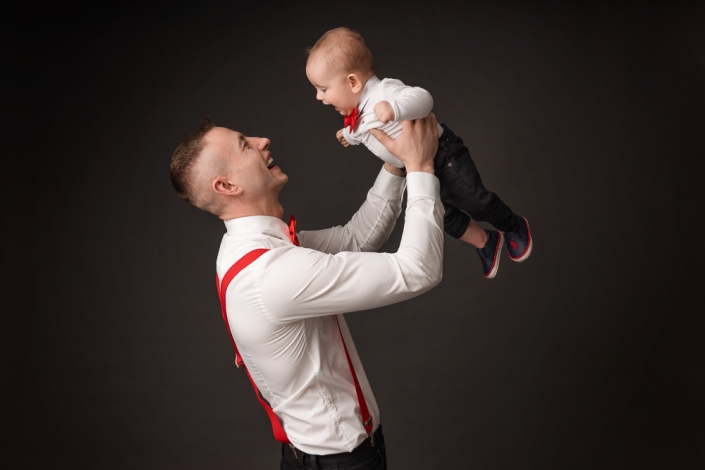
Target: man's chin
x: 282, y: 179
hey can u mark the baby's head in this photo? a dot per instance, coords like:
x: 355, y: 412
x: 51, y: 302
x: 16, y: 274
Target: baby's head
x: 339, y: 65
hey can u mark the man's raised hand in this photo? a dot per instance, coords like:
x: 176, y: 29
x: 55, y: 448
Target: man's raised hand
x: 417, y: 145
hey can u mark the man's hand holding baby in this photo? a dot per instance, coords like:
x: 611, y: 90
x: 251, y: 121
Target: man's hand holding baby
x: 384, y: 112
x: 417, y: 145
x: 341, y: 138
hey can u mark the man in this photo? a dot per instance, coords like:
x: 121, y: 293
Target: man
x: 283, y: 303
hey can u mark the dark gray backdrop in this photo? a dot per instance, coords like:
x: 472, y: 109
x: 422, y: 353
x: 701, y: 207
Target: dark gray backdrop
x: 587, y: 119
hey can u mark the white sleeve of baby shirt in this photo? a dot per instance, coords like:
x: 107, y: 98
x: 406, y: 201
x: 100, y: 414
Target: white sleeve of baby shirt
x: 410, y: 102
x: 348, y: 136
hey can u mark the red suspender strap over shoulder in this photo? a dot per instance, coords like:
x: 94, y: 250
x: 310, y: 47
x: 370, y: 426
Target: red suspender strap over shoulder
x: 277, y: 429
x: 241, y: 264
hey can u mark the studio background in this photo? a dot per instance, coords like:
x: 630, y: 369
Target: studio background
x: 588, y: 119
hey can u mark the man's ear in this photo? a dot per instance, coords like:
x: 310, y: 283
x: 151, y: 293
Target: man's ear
x: 355, y: 82
x: 222, y: 185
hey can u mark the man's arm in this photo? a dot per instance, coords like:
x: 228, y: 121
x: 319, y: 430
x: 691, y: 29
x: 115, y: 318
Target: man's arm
x: 371, y: 225
x: 296, y: 283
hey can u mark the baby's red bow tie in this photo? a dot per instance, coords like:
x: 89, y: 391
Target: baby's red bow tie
x: 292, y: 230
x: 351, y: 120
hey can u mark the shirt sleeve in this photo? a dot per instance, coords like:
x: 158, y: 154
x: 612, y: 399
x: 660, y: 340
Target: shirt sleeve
x: 410, y: 102
x: 297, y: 283
x: 347, y: 135
x: 371, y: 225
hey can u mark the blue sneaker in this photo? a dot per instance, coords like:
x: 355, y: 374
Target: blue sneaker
x: 519, y: 242
x: 489, y: 255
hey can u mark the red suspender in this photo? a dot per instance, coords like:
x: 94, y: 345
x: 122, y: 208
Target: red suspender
x: 277, y: 429
x: 241, y: 264
x: 366, y: 418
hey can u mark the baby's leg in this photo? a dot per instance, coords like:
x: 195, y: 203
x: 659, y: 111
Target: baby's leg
x: 459, y: 225
x: 474, y: 235
x: 462, y: 187
x: 487, y: 243
x: 464, y: 190
x: 466, y: 198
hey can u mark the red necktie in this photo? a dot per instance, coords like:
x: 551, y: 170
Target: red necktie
x: 351, y: 120
x: 292, y: 230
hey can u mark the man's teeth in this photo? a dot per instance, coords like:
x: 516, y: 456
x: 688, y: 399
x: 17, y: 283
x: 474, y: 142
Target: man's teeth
x: 269, y: 162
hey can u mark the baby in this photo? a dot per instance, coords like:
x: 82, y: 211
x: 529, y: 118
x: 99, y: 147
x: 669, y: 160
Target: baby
x: 340, y: 67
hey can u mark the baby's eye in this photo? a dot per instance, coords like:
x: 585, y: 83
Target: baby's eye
x: 323, y: 90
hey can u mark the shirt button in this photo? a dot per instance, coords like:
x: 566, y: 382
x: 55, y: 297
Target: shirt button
x: 450, y: 164
x: 396, y: 189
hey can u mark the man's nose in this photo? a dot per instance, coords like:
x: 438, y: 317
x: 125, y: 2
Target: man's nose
x: 263, y: 143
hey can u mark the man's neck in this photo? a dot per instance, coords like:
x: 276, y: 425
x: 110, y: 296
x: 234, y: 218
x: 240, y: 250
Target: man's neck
x: 265, y: 209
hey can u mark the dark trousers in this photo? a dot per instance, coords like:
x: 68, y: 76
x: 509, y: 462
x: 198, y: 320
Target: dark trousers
x: 462, y: 192
x: 363, y: 457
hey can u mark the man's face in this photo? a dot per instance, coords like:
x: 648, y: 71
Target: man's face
x: 248, y: 162
x: 332, y: 87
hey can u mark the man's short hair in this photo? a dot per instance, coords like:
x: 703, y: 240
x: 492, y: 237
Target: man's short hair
x: 183, y: 163
x: 344, y: 49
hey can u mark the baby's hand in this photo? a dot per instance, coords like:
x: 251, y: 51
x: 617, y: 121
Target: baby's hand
x: 384, y: 112
x: 341, y: 138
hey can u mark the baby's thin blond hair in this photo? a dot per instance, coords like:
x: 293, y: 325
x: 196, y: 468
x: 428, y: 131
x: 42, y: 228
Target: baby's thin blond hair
x: 345, y: 50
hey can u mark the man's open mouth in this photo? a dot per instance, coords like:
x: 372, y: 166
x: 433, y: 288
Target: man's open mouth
x: 270, y: 163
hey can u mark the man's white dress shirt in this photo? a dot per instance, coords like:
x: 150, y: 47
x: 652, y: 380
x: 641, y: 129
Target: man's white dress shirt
x: 408, y: 103
x: 280, y: 308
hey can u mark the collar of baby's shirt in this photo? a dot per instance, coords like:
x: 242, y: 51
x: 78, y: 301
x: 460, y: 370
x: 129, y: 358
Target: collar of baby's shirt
x: 258, y: 224
x: 367, y: 91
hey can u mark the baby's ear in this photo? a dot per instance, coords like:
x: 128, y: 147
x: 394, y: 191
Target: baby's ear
x: 355, y: 82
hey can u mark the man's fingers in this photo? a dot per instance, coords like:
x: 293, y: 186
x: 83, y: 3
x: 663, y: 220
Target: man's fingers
x: 432, y: 122
x: 382, y: 136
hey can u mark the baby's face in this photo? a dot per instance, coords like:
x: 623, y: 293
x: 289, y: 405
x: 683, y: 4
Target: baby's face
x: 333, y: 87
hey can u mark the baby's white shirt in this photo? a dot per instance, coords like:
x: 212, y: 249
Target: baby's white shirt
x: 408, y: 103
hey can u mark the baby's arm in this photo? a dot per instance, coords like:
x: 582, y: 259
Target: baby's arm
x: 345, y: 137
x: 411, y: 103
x: 341, y: 138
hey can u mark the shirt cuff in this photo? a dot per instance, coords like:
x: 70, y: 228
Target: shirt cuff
x: 347, y: 136
x: 422, y: 184
x: 389, y: 186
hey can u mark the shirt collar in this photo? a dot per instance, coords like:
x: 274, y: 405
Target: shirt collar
x: 258, y: 224
x: 367, y: 91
